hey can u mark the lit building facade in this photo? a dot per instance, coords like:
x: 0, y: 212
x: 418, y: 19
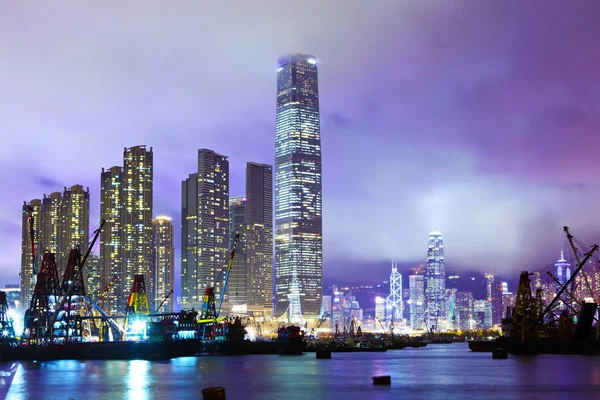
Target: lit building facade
x: 32, y: 210
x: 298, y: 197
x: 138, y: 244
x: 258, y: 238
x: 465, y: 307
x: 74, y: 222
x: 452, y: 314
x: 416, y: 286
x: 236, y: 293
x: 112, y: 240
x: 50, y: 231
x: 394, y: 300
x: 205, y: 228
x: 435, y: 290
x: 164, y: 264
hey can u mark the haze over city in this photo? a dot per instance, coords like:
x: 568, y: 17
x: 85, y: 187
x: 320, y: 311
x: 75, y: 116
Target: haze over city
x: 479, y: 120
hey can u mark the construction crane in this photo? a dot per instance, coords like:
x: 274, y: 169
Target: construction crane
x: 323, y: 319
x: 231, y: 256
x: 164, y: 300
x: 71, y: 288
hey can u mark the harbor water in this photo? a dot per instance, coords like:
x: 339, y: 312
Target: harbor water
x: 444, y: 371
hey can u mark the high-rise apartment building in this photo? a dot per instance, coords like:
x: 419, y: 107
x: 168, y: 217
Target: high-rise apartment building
x: 50, y: 231
x: 61, y: 223
x: 436, y: 282
x: 205, y: 228
x: 112, y: 239
x: 30, y: 225
x: 298, y: 197
x: 74, y: 223
x: 164, y: 264
x: 138, y: 244
x: 126, y: 240
x: 416, y: 286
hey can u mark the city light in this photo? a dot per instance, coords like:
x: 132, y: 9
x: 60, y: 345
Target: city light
x: 311, y: 61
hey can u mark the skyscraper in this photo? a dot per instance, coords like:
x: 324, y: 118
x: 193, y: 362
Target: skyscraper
x: 236, y: 294
x: 298, y: 203
x: 394, y: 300
x: 30, y: 219
x: 112, y: 239
x: 138, y: 244
x: 436, y: 282
x: 164, y: 264
x: 205, y: 228
x: 416, y: 285
x: 258, y: 242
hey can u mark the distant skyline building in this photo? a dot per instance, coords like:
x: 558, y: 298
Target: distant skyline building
x: 204, y: 228
x: 435, y: 290
x: 164, y: 264
x: 298, y: 192
x: 563, y: 270
x: 452, y: 314
x: 112, y: 238
x: 464, y: 306
x: 394, y: 299
x: 74, y: 222
x: 416, y: 285
x: 138, y: 203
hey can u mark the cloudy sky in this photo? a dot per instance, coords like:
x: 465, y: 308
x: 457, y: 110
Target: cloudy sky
x: 480, y: 119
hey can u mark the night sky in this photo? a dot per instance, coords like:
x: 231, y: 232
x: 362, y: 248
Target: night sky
x: 480, y: 119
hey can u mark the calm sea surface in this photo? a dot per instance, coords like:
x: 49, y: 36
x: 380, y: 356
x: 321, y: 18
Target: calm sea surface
x: 436, y: 372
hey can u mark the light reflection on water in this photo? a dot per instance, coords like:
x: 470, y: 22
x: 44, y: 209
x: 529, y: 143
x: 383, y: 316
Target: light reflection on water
x: 442, y: 371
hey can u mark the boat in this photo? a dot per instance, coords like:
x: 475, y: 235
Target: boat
x: 290, y: 340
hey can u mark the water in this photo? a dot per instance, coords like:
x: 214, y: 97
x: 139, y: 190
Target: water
x: 448, y: 371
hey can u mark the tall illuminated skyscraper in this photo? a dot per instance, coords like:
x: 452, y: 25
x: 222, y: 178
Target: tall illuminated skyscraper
x: 32, y: 210
x: 204, y: 228
x: 111, y: 239
x: 394, y: 300
x: 298, y: 202
x: 416, y: 286
x: 435, y: 274
x: 138, y: 242
x: 236, y: 293
x: 164, y: 264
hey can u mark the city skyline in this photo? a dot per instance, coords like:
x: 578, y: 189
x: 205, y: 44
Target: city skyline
x: 449, y: 148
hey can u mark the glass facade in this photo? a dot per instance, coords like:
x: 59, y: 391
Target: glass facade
x: 164, y: 264
x: 416, y: 285
x: 435, y: 291
x: 298, y: 197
